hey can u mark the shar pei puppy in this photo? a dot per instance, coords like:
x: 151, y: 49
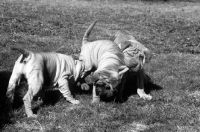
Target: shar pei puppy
x: 107, y: 60
x: 43, y: 71
x: 136, y: 55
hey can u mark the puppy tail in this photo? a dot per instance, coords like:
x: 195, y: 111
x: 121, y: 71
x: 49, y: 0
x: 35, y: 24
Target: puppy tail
x: 24, y: 52
x: 87, y: 33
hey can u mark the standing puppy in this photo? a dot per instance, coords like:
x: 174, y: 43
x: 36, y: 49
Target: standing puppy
x: 43, y: 70
x: 135, y: 56
x: 108, y: 61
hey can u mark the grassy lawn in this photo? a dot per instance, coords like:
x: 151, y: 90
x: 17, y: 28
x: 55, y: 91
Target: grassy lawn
x: 170, y: 29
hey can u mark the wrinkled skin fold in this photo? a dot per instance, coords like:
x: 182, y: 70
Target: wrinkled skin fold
x: 108, y: 61
x: 136, y: 55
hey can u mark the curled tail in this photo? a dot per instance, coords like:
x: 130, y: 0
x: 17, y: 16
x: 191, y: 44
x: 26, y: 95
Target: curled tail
x: 24, y: 52
x: 87, y: 33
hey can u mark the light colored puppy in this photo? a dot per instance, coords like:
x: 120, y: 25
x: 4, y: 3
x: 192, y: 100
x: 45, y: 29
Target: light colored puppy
x: 43, y: 71
x: 136, y: 55
x: 108, y: 61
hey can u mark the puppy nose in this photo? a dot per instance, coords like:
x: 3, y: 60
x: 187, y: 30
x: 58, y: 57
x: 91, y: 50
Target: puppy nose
x: 108, y: 88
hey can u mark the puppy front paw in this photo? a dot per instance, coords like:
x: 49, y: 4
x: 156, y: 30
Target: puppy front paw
x: 32, y: 116
x: 146, y: 97
x: 143, y: 95
x: 85, y: 86
x: 97, y: 100
x: 75, y: 102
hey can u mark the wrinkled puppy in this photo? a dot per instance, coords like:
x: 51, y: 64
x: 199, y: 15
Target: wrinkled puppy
x: 135, y: 56
x: 43, y: 71
x: 108, y: 61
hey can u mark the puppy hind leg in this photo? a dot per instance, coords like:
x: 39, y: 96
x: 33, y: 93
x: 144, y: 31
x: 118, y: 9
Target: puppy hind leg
x: 32, y: 91
x: 34, y: 86
x: 64, y: 89
x: 140, y: 85
x: 27, y: 104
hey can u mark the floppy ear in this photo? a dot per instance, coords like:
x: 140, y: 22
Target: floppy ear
x: 125, y: 45
x: 99, y: 75
x: 148, y: 55
x: 89, y: 79
x: 92, y: 78
x: 122, y: 37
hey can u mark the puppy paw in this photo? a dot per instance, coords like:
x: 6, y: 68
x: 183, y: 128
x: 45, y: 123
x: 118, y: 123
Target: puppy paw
x: 146, y: 97
x: 75, y: 101
x: 94, y: 101
x: 143, y: 95
x: 85, y: 86
x: 32, y: 116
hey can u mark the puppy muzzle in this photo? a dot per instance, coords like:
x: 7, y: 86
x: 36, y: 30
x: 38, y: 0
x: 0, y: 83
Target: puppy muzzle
x: 104, y: 89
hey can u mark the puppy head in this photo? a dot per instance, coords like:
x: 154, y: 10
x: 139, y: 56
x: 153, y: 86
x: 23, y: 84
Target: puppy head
x: 104, y: 89
x: 106, y: 82
x: 134, y: 58
x: 134, y: 63
x: 130, y: 49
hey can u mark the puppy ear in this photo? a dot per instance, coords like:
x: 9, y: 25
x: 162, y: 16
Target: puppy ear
x: 125, y: 45
x: 93, y: 78
x: 89, y: 79
x: 148, y: 56
x: 100, y: 75
x: 121, y: 37
x: 109, y: 75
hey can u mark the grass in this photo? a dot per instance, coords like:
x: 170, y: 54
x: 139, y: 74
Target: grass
x: 170, y: 29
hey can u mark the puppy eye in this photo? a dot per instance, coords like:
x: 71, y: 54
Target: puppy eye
x: 100, y: 83
x: 114, y: 82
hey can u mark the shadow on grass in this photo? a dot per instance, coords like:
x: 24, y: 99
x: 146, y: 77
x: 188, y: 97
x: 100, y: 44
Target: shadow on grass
x: 4, y: 118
